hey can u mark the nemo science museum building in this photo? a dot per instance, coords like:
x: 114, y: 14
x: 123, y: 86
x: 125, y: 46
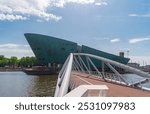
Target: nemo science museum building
x: 49, y: 50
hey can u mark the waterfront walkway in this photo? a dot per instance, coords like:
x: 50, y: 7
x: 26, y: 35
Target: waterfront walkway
x: 115, y: 90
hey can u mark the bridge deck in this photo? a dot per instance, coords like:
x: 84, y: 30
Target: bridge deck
x: 115, y: 90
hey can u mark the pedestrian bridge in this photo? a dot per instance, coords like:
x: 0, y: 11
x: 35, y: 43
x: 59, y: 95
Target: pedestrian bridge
x: 80, y: 77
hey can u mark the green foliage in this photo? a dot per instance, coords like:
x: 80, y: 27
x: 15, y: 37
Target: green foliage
x: 14, y: 61
x: 3, y: 61
x: 28, y: 61
x: 2, y: 57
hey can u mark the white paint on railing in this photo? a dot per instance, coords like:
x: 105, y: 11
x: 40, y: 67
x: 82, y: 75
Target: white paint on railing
x: 63, y: 89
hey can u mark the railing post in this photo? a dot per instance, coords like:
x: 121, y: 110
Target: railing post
x: 65, y: 82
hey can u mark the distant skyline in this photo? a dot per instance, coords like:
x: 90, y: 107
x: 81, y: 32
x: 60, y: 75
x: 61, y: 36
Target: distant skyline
x: 107, y: 25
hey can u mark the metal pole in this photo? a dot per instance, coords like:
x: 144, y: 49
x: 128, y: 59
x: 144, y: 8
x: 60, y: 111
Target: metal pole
x: 78, y: 64
x: 84, y: 64
x: 103, y: 69
x: 120, y: 65
x: 88, y: 64
x: 95, y: 67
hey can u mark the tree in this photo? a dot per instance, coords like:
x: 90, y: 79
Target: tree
x: 2, y: 57
x: 34, y: 61
x: 13, y: 61
x: 3, y: 61
x: 28, y: 61
x: 22, y: 62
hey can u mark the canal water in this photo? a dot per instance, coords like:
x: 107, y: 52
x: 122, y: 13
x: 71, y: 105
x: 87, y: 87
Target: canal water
x: 132, y: 78
x: 19, y: 84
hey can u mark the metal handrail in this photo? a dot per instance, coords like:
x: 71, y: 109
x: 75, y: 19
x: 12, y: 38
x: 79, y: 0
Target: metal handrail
x: 62, y: 88
x: 120, y: 65
x: 72, y: 63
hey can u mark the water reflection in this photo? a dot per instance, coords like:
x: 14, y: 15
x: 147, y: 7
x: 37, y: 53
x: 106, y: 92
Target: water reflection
x: 43, y: 86
x: 18, y: 84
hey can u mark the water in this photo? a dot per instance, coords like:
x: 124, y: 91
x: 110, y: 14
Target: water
x: 19, y: 84
x: 131, y: 78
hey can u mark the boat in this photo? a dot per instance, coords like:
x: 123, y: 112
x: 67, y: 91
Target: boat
x: 40, y: 70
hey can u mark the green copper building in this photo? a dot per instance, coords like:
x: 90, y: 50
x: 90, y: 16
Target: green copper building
x: 49, y: 49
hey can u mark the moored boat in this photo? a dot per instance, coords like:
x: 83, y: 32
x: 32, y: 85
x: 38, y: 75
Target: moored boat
x: 40, y: 70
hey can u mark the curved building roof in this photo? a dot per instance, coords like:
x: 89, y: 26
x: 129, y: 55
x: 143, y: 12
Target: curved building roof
x: 50, y: 49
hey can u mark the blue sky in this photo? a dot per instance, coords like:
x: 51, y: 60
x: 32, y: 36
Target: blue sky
x: 108, y: 25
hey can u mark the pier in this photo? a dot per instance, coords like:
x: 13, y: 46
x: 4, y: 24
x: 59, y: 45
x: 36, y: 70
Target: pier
x: 114, y: 89
x: 80, y: 77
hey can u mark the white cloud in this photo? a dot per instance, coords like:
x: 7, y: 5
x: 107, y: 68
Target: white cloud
x: 101, y: 3
x: 62, y: 3
x: 15, y: 50
x: 9, y: 45
x: 139, y: 15
x: 11, y: 17
x: 24, y: 9
x: 133, y: 15
x: 115, y: 40
x: 140, y: 59
x: 136, y: 40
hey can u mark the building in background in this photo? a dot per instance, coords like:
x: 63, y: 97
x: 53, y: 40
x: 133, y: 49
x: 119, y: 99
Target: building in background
x: 52, y: 50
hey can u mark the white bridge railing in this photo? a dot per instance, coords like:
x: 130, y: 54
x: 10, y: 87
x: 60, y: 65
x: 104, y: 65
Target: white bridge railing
x: 64, y: 77
x: 83, y: 63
